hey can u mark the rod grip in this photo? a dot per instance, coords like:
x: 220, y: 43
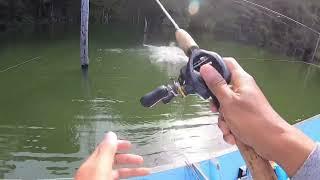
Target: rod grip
x: 185, y: 41
x: 260, y: 168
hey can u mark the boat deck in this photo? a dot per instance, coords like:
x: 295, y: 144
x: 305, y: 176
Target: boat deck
x: 226, y: 166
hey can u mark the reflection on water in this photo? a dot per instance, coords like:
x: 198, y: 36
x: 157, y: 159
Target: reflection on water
x: 52, y: 116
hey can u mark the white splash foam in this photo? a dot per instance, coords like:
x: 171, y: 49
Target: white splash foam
x: 157, y: 54
x: 114, y: 50
x: 168, y: 54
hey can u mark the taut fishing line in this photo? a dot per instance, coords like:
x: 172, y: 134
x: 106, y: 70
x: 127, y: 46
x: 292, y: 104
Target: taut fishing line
x: 19, y: 64
x: 286, y: 17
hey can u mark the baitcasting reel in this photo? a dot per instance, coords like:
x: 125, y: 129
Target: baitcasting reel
x: 189, y: 81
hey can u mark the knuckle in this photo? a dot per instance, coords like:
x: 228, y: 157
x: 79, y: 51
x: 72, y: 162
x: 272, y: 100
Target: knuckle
x: 227, y: 101
x: 250, y: 77
x: 230, y: 59
x: 245, y: 89
x: 217, y: 82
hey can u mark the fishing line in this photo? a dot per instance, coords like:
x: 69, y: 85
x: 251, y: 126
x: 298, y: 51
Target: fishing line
x: 279, y: 14
x: 311, y: 64
x: 279, y: 60
x: 20, y: 64
x: 176, y: 26
x: 296, y: 22
x: 193, y: 167
x: 287, y: 17
x: 265, y: 13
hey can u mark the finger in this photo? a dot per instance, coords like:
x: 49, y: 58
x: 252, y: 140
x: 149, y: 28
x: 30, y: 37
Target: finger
x: 124, y: 145
x: 238, y: 75
x: 230, y: 139
x: 105, y: 153
x: 213, y: 108
x: 109, y: 144
x: 128, y: 172
x: 215, y: 82
x: 223, y: 127
x: 102, y: 157
x: 232, y: 64
x: 128, y: 159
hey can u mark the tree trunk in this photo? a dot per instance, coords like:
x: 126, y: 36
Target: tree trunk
x: 84, y: 57
x: 52, y: 13
x: 138, y: 16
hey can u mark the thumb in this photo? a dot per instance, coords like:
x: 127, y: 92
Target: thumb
x: 106, y: 152
x: 216, y: 83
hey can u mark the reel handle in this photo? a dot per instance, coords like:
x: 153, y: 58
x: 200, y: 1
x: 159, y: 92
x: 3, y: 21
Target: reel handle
x: 154, y: 96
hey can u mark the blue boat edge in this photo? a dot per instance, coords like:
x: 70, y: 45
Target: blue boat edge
x: 225, y: 164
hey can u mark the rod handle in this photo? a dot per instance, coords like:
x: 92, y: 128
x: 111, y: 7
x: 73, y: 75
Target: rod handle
x: 260, y: 168
x: 185, y: 41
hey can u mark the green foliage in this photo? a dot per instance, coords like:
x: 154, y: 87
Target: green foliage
x: 247, y: 23
x: 226, y: 19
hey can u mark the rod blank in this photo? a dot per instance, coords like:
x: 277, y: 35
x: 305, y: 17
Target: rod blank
x: 168, y: 15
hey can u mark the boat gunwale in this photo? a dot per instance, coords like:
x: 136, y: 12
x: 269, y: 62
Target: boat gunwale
x: 214, y: 155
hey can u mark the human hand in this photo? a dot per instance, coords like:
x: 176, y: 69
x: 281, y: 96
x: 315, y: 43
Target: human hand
x: 99, y: 166
x: 245, y: 114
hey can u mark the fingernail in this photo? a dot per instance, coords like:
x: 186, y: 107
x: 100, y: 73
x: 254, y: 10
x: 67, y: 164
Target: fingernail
x: 111, y: 138
x: 206, y: 66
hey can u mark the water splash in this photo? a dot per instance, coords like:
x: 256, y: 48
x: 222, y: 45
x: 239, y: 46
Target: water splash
x: 157, y: 54
x: 169, y: 54
x: 169, y: 58
x: 115, y: 50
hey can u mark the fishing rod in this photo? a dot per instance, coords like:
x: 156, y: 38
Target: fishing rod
x: 191, y: 82
x: 168, y: 15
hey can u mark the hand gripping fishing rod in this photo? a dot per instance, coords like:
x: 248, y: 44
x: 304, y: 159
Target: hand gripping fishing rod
x: 190, y: 82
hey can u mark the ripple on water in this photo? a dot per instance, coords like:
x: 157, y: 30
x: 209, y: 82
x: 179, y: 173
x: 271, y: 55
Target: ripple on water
x: 98, y: 100
x: 97, y: 117
x: 58, y: 170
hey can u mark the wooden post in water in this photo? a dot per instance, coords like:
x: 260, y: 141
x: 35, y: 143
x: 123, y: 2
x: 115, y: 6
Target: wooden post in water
x: 84, y: 56
x: 145, y: 35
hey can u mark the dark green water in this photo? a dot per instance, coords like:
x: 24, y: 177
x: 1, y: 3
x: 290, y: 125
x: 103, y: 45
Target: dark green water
x: 52, y: 116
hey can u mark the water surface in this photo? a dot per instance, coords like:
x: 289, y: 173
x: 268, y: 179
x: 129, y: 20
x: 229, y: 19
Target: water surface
x: 52, y: 115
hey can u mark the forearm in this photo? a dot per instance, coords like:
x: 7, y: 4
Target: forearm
x: 291, y: 149
x: 246, y: 114
x: 311, y: 167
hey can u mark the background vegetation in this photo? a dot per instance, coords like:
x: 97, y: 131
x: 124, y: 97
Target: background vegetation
x: 225, y: 19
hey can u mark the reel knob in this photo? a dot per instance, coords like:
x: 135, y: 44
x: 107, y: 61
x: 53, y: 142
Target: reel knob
x: 154, y: 96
